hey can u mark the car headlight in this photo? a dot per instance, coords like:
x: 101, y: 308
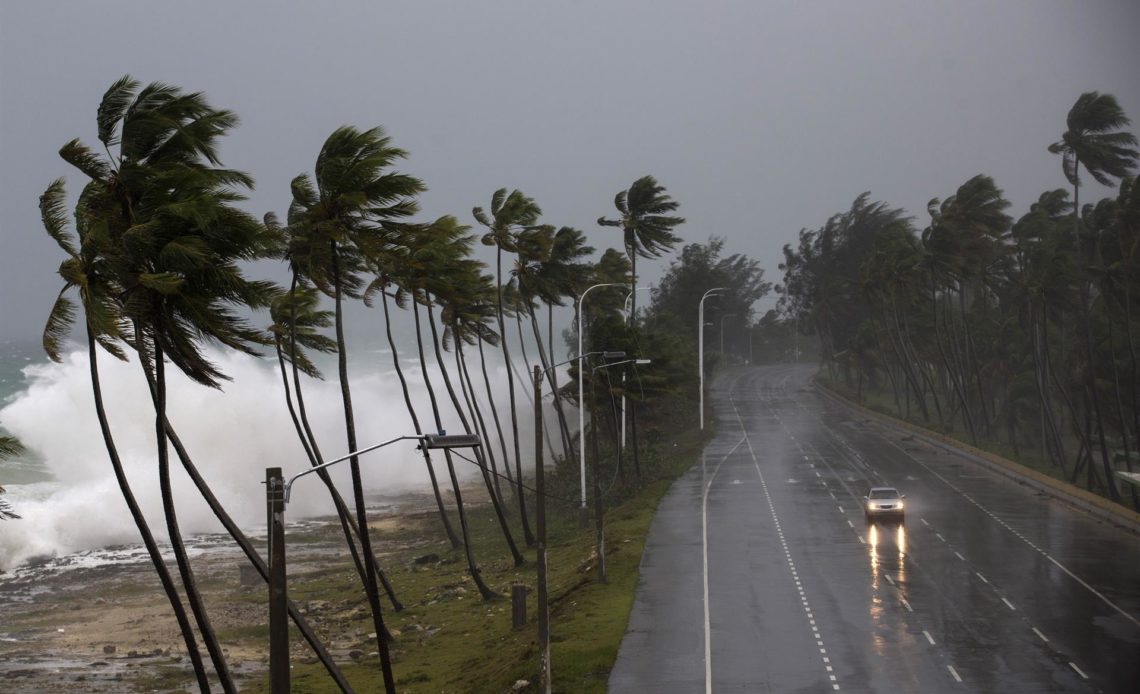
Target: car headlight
x: 900, y: 503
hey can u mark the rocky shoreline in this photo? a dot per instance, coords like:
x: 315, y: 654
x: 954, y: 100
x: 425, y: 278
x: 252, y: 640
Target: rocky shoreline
x: 99, y: 622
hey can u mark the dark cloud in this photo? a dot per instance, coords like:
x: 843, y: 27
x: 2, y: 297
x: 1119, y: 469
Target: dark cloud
x: 761, y: 118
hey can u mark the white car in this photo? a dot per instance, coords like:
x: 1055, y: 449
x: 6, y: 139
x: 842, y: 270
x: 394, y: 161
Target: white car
x: 884, y: 502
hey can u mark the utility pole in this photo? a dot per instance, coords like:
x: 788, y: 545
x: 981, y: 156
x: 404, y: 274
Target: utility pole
x: 540, y: 503
x: 278, y: 595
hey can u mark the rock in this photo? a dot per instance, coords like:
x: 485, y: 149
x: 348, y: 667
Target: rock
x: 108, y: 650
x: 461, y: 591
x: 356, y: 654
x: 520, y: 685
x: 427, y: 559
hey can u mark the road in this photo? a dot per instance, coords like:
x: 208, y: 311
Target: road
x: 760, y: 573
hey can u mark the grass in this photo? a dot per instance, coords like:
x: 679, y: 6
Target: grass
x: 447, y: 639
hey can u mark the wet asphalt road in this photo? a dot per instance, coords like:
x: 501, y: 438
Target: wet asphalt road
x: 760, y: 573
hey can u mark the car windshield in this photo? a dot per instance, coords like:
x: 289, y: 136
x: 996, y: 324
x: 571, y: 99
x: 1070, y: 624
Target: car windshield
x: 884, y: 494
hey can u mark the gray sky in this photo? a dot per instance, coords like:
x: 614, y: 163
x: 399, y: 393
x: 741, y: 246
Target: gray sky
x: 759, y: 117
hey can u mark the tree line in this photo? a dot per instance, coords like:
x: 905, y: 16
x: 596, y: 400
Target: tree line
x: 157, y: 252
x: 1016, y: 330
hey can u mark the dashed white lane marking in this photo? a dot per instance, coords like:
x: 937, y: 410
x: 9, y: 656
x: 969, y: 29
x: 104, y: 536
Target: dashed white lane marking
x: 705, y: 549
x: 959, y: 555
x: 1016, y: 534
x: 906, y: 605
x: 791, y: 565
x: 840, y: 509
x: 1039, y: 634
x: 889, y: 579
x: 954, y: 673
x: 1078, y: 670
x: 939, y: 535
x: 928, y: 636
x: 979, y: 575
x: 1008, y: 604
x: 851, y: 524
x: 862, y: 541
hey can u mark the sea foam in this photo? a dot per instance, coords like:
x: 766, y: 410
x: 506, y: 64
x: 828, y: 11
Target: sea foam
x: 232, y: 434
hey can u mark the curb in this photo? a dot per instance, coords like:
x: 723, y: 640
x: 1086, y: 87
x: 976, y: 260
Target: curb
x: 1096, y: 506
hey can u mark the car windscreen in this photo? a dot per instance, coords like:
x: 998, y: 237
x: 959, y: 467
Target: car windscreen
x: 884, y: 494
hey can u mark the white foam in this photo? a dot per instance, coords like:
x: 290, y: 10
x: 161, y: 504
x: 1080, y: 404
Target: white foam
x: 233, y: 435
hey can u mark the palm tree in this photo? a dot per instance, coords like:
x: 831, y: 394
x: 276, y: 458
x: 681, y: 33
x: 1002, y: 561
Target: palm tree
x: 10, y: 447
x: 1093, y: 139
x: 340, y: 220
x: 647, y: 229
x: 510, y: 214
x: 158, y: 227
x: 393, y: 270
x: 296, y: 328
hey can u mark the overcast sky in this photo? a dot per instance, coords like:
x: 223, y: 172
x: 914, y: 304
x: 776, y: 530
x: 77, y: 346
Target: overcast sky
x: 759, y: 117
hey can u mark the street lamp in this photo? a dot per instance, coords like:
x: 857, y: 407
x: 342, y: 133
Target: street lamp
x: 600, y: 538
x: 581, y: 394
x: 701, y: 346
x: 277, y: 492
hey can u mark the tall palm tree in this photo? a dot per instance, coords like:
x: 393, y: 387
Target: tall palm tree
x: 393, y: 271
x: 297, y: 321
x: 338, y: 221
x: 647, y: 228
x: 158, y: 225
x: 1094, y: 140
x: 509, y: 214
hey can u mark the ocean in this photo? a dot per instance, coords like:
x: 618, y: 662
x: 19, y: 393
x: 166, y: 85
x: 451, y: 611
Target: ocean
x: 64, y: 487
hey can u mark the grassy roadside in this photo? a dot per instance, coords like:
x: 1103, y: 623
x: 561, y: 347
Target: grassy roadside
x: 449, y: 640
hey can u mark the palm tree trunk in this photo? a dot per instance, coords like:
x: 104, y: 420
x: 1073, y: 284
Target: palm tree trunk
x: 156, y: 559
x: 416, y: 424
x: 472, y: 568
x: 1090, y: 372
x: 631, y: 401
x: 514, y: 408
x: 479, y: 460
x: 193, y: 596
x: 549, y: 440
x: 559, y: 407
x: 467, y: 385
x: 498, y: 425
x: 370, y: 586
x: 546, y: 367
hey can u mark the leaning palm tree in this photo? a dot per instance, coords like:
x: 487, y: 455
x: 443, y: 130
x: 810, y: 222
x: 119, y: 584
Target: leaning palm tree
x: 509, y: 214
x: 392, y: 272
x: 1094, y: 140
x: 9, y: 448
x: 647, y: 229
x: 338, y: 221
x: 161, y: 229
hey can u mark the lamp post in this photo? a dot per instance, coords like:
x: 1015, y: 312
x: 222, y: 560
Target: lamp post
x: 582, y: 512
x: 599, y: 532
x: 277, y: 492
x: 701, y: 346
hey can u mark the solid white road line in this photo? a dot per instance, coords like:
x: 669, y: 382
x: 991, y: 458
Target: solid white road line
x: 705, y: 550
